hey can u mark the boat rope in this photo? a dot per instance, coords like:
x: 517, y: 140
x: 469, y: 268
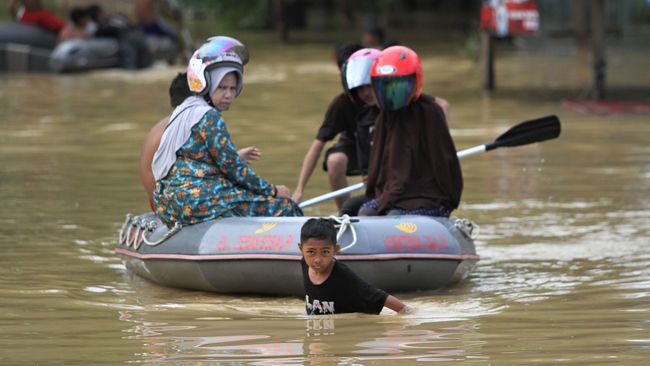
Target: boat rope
x: 136, y: 230
x: 124, y: 230
x: 176, y: 228
x: 344, y: 222
x: 468, y: 228
x: 136, y: 239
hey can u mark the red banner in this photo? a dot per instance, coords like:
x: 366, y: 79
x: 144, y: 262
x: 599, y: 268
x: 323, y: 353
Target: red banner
x: 509, y: 17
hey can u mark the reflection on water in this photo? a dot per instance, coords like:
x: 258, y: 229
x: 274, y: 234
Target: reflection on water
x: 299, y: 339
x: 564, y: 224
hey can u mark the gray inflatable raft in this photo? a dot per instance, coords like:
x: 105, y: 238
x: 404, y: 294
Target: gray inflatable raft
x: 259, y: 255
x: 25, y: 47
x: 95, y: 53
x: 26, y: 34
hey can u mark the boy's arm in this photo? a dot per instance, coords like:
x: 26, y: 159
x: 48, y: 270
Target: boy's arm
x: 397, y: 306
x: 308, y: 165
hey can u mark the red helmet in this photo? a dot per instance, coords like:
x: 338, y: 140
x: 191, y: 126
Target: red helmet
x: 396, y: 77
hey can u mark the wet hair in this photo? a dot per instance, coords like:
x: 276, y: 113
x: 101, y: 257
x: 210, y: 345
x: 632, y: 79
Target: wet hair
x: 78, y: 14
x: 378, y: 33
x: 179, y: 90
x: 320, y: 229
x: 94, y: 12
x: 344, y: 50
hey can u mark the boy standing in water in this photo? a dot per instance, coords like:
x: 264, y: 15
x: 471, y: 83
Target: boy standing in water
x: 330, y: 286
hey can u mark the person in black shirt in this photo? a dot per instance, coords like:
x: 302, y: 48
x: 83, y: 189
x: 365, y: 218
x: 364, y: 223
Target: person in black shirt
x: 340, y: 159
x: 330, y: 286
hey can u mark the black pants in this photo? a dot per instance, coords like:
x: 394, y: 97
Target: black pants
x: 351, y: 207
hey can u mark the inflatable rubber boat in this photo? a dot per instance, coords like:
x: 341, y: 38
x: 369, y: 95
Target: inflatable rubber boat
x: 259, y: 255
x: 95, y: 53
x: 25, y: 47
x: 26, y: 34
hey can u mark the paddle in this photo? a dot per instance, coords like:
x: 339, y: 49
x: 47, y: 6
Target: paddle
x: 524, y: 133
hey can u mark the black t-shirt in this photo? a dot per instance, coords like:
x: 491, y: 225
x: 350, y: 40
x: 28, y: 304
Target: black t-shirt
x: 364, y: 128
x: 340, y: 117
x: 342, y: 292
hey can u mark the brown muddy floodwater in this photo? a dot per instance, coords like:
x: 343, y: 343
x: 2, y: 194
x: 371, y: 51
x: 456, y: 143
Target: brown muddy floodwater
x: 565, y: 225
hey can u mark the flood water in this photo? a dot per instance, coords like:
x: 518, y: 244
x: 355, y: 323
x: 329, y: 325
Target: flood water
x: 564, y: 276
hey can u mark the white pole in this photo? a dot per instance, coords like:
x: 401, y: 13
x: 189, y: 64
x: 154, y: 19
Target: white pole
x: 327, y: 196
x: 354, y: 187
x: 471, y: 151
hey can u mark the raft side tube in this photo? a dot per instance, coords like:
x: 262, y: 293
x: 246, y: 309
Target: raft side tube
x: 259, y: 255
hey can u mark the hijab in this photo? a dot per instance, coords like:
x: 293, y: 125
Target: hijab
x: 178, y: 130
x: 183, y: 119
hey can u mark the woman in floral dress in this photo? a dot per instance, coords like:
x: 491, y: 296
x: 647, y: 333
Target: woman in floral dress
x: 199, y: 175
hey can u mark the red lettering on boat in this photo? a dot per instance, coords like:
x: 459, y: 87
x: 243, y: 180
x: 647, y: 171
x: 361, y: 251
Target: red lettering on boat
x: 289, y: 242
x: 271, y: 242
x: 223, y: 244
x: 407, y: 242
x: 439, y: 245
x: 247, y: 242
x: 268, y: 242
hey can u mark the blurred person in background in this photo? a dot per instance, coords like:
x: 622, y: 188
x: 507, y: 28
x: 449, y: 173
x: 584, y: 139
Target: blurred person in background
x: 77, y: 27
x: 33, y: 12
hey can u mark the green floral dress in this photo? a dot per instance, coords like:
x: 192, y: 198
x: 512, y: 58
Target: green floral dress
x: 209, y: 180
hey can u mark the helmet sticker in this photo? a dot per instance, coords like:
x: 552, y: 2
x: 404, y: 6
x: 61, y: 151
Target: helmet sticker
x: 386, y: 70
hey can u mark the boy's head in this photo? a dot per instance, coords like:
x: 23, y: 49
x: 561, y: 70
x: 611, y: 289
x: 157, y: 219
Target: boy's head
x: 95, y: 12
x: 318, y: 243
x: 318, y: 228
x: 179, y: 90
x: 374, y: 36
x: 79, y: 16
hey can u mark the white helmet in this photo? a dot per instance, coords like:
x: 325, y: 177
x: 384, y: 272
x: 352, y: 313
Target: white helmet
x: 355, y: 72
x: 216, y: 52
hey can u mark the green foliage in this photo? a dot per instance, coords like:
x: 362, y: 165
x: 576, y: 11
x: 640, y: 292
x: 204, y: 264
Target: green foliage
x: 642, y: 12
x: 236, y: 14
x: 368, y: 5
x: 259, y: 14
x: 471, y: 48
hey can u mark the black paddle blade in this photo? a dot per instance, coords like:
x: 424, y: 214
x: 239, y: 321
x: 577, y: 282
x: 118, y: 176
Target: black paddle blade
x: 528, y: 132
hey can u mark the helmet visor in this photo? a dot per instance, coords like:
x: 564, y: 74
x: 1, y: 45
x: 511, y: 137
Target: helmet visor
x: 394, y: 92
x: 357, y: 72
